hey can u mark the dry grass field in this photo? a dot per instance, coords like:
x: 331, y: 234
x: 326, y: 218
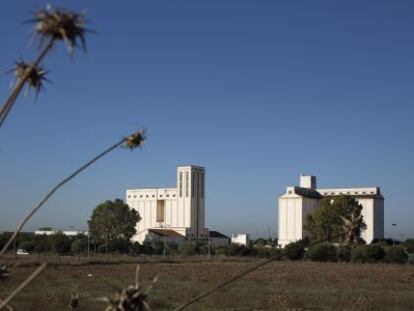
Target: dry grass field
x: 278, y: 286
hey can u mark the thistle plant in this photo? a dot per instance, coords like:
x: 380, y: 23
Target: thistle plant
x: 74, y: 300
x: 36, y: 78
x: 133, y: 141
x: 51, y: 25
x: 60, y: 24
x: 131, y: 298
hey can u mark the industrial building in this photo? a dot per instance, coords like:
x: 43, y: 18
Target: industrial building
x: 298, y: 202
x: 178, y: 211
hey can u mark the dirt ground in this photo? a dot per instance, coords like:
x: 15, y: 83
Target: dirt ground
x: 278, y: 286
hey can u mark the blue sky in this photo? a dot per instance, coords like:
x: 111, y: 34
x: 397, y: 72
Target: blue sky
x: 258, y: 92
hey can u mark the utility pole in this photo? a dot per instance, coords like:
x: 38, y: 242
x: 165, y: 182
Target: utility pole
x: 89, y: 245
x: 106, y: 243
x: 209, y: 245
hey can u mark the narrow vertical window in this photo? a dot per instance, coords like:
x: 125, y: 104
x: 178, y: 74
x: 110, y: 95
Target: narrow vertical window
x: 160, y: 210
x: 202, y: 184
x: 192, y: 184
x: 187, y: 185
x: 180, y: 186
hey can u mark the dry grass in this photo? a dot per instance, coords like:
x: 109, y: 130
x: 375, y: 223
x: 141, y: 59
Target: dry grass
x: 279, y: 286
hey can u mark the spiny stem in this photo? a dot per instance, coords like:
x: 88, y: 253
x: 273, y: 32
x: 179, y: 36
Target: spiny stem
x: 51, y: 192
x: 23, y: 285
x: 8, y: 104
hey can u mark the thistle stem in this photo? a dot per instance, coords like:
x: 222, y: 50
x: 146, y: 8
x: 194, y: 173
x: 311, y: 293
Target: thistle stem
x: 8, y: 104
x: 51, y: 192
x: 26, y: 282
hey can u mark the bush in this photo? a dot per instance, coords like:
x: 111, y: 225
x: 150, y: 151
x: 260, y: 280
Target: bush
x: 343, y: 253
x: 222, y: 250
x: 367, y: 253
x: 60, y: 243
x: 358, y: 254
x: 409, y: 244
x: 27, y: 246
x: 294, y: 250
x: 411, y: 258
x: 321, y: 252
x: 41, y: 243
x: 374, y: 253
x: 78, y: 246
x: 395, y: 254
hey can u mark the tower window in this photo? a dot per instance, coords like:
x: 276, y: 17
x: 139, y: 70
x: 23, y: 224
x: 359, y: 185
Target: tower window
x: 192, y: 184
x: 187, y: 185
x: 180, y: 186
x: 160, y: 211
x: 201, y: 184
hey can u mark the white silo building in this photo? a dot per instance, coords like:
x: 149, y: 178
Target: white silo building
x: 298, y: 202
x: 172, y: 212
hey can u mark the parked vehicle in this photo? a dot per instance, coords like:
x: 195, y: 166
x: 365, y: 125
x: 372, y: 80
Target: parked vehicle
x: 22, y: 252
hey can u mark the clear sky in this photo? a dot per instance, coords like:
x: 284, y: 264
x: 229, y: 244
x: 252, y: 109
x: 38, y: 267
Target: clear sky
x: 258, y: 92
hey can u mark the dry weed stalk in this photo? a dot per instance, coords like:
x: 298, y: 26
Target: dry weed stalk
x: 133, y: 141
x: 36, y: 76
x: 51, y: 25
x: 26, y: 282
x: 8, y: 307
x: 74, y: 300
x: 131, y: 298
x: 4, y: 272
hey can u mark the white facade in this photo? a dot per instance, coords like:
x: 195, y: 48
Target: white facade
x: 180, y: 209
x: 298, y: 202
x: 241, y: 239
x: 65, y: 232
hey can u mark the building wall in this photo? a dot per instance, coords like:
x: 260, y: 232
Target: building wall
x: 241, y: 239
x: 292, y: 213
x: 293, y: 209
x: 183, y: 206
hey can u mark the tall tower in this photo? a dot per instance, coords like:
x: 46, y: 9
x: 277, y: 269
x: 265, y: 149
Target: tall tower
x: 191, y: 188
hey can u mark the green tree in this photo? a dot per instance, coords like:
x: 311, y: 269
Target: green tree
x: 337, y: 219
x: 114, y: 218
x: 78, y: 246
x: 60, y: 243
x: 41, y: 243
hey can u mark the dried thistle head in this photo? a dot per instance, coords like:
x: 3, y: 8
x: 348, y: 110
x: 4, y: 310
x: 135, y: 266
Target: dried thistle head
x: 36, y: 78
x: 60, y: 24
x: 135, y: 140
x: 132, y: 298
x: 4, y: 272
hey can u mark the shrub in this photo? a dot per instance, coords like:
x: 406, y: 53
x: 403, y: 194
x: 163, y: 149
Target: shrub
x: 27, y: 246
x: 343, y: 253
x: 294, y: 250
x: 60, y: 243
x: 41, y: 243
x: 358, y: 254
x: 367, y: 253
x: 411, y: 258
x: 395, y: 254
x: 187, y: 248
x: 222, y: 250
x: 374, y: 253
x: 78, y: 246
x: 409, y: 244
x: 321, y: 252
